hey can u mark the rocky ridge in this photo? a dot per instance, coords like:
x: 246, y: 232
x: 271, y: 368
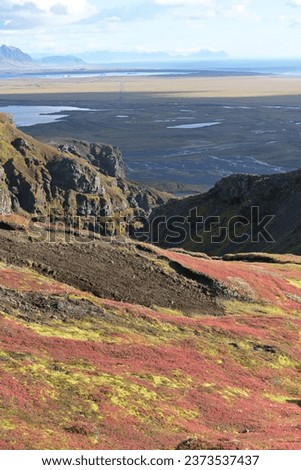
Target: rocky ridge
x: 75, y: 179
x: 241, y: 213
x: 13, y: 58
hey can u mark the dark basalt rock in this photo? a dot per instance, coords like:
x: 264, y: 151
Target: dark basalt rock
x: 68, y: 174
x: 106, y: 158
x: 75, y: 179
x: 20, y: 144
x: 5, y: 198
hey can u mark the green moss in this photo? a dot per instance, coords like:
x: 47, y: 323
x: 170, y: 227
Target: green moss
x: 169, y: 311
x: 188, y: 414
x: 231, y: 393
x: 275, y: 398
x: 295, y: 283
x: 208, y: 385
x: 180, y: 381
x: 6, y: 425
x: 236, y: 307
x: 135, y: 399
x: 282, y: 361
x: 80, y: 330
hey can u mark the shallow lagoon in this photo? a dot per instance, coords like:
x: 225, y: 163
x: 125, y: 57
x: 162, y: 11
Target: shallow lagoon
x: 197, y: 125
x: 30, y: 115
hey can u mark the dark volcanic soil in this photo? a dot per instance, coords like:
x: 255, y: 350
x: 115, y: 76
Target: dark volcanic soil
x: 111, y: 270
x: 254, y: 135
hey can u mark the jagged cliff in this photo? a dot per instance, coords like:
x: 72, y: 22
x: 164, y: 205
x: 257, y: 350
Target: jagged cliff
x: 73, y: 179
x: 242, y: 213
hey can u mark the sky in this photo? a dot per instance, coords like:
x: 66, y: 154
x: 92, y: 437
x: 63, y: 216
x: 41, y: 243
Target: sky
x: 242, y: 28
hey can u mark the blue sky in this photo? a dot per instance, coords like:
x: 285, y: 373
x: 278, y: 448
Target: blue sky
x: 243, y: 28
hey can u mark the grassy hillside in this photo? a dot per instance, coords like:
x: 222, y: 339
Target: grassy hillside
x: 110, y: 343
x: 80, y: 370
x: 240, y: 214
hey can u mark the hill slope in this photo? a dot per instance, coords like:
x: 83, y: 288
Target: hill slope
x: 62, y: 61
x: 79, y: 182
x: 242, y: 213
x: 14, y: 58
x: 109, y: 343
x: 80, y: 370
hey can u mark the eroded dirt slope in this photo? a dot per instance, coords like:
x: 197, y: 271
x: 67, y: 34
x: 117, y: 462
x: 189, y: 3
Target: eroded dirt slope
x: 108, y: 346
x: 115, y: 271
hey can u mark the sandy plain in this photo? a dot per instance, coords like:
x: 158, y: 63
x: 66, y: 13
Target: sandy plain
x: 192, y: 86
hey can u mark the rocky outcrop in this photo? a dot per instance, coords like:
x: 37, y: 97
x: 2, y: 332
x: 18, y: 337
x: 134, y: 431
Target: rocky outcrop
x: 242, y: 213
x: 5, y: 197
x: 73, y: 179
x: 106, y: 158
x: 255, y: 189
x: 69, y: 175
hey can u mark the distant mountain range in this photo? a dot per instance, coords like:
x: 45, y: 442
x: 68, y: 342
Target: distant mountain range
x: 58, y: 60
x: 12, y: 58
x: 132, y: 56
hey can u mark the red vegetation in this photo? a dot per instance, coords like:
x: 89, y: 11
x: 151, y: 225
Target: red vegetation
x: 262, y: 282
x: 231, y: 382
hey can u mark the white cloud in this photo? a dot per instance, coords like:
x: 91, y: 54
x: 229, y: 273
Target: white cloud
x: 295, y: 3
x: 241, y: 10
x: 69, y: 26
x: 184, y: 2
x: 74, y: 9
x: 190, y: 10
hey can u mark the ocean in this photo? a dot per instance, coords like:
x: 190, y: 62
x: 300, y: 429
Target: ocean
x: 202, y: 68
